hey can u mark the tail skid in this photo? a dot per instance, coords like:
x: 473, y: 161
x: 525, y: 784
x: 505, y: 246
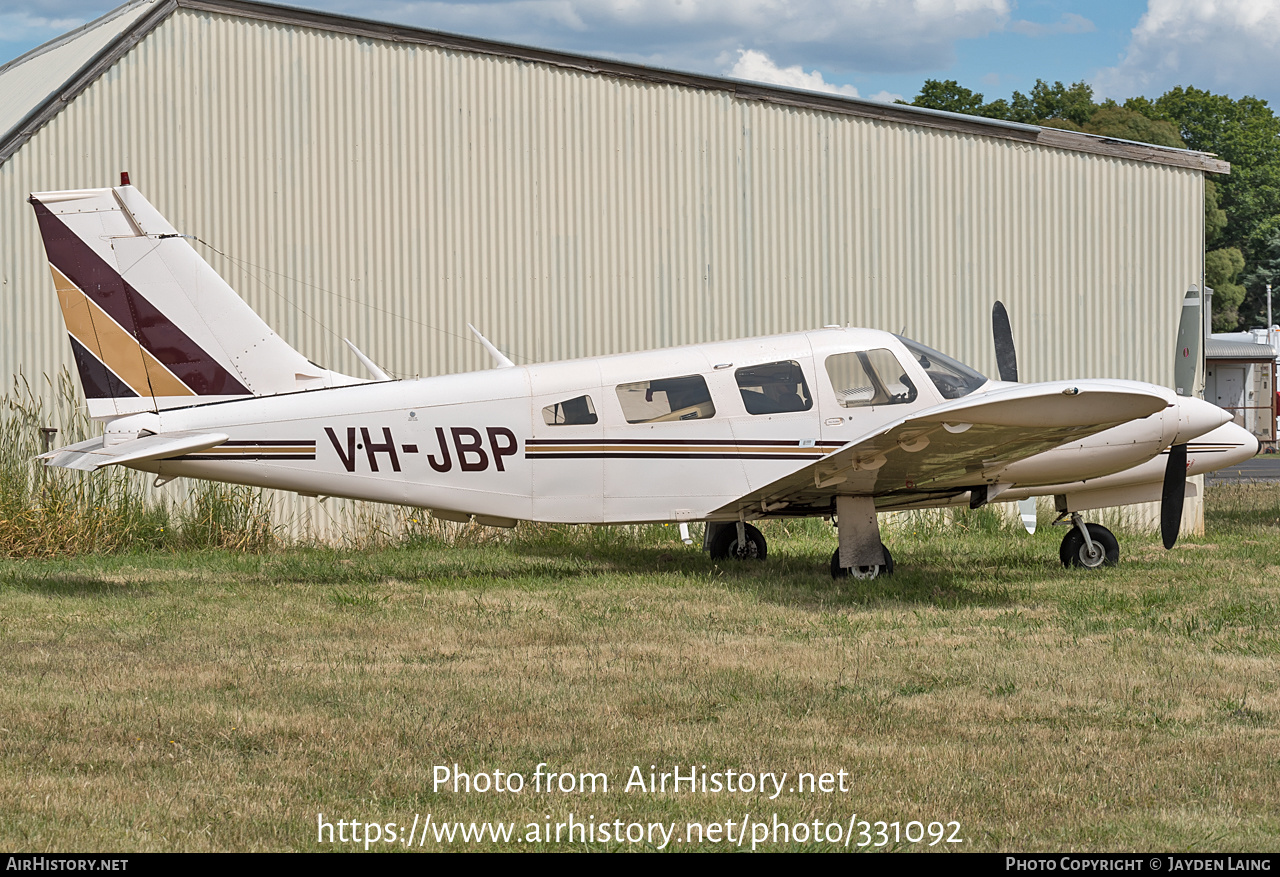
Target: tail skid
x: 152, y: 325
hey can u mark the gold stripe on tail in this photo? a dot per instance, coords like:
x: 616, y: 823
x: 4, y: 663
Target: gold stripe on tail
x: 108, y: 341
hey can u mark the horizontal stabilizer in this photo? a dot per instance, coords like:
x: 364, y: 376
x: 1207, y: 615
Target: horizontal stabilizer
x: 94, y: 454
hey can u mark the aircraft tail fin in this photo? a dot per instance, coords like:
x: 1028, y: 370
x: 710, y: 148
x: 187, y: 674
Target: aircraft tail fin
x: 152, y: 325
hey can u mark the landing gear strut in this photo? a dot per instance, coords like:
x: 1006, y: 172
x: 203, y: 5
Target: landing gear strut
x: 1088, y: 545
x: 864, y: 555
x: 862, y: 572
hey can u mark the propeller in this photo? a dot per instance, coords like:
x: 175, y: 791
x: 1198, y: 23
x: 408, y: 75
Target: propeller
x: 1184, y: 376
x: 1006, y: 355
x: 1171, y: 496
x: 1175, y: 472
x: 1188, y: 355
x: 1007, y: 363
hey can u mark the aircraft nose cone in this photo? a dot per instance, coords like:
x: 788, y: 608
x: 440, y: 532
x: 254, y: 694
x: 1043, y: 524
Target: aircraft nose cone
x: 1197, y: 417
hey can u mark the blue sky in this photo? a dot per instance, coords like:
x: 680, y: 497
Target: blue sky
x: 878, y: 49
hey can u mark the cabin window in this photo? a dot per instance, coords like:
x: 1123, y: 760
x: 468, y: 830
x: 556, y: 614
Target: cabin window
x: 869, y: 377
x: 666, y: 400
x: 577, y: 411
x: 774, y: 388
x: 953, y: 379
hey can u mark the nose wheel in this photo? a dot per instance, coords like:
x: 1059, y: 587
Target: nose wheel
x: 1088, y: 546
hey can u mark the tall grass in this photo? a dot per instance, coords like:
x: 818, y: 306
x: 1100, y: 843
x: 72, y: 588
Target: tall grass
x: 47, y: 511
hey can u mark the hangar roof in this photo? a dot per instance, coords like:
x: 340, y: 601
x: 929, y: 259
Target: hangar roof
x: 74, y: 60
x: 25, y: 82
x: 1219, y: 348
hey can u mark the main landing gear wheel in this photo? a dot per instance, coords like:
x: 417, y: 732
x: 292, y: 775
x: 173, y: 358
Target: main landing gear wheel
x: 1075, y: 552
x: 861, y: 572
x: 725, y: 544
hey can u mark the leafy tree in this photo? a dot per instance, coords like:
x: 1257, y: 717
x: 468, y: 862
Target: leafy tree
x: 1047, y: 103
x: 1266, y: 269
x: 1057, y: 105
x: 1123, y: 123
x: 1221, y: 268
x: 949, y: 96
x: 1215, y: 218
x: 1244, y: 132
x: 1060, y: 124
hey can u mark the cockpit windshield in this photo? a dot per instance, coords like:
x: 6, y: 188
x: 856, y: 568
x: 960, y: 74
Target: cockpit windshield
x: 953, y: 379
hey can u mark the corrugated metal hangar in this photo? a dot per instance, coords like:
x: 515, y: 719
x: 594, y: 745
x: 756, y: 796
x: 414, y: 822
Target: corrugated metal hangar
x: 389, y: 185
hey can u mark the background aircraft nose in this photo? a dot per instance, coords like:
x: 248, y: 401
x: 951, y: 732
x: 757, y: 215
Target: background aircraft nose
x: 1246, y: 443
x: 1225, y: 446
x: 1197, y: 417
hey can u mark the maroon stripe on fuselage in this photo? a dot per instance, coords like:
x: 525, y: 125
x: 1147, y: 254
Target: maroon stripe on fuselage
x: 139, y: 317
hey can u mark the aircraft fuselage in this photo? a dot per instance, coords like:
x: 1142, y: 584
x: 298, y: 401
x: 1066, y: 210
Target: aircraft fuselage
x: 514, y: 443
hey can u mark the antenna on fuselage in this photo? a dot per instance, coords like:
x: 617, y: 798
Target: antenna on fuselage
x: 500, y: 360
x: 378, y: 374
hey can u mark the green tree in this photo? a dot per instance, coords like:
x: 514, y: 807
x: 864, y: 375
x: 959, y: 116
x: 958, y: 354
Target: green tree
x: 1265, y: 245
x: 1244, y: 132
x: 1056, y: 106
x: 1221, y: 269
x: 1122, y: 123
x: 949, y: 96
x: 1057, y: 102
x: 1215, y: 218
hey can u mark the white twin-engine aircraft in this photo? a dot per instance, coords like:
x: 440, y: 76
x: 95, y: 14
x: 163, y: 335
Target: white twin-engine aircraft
x: 837, y: 422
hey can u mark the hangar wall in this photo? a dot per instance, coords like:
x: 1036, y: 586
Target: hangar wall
x: 392, y: 191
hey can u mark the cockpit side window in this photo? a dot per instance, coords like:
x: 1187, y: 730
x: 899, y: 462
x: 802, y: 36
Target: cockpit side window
x: 869, y: 377
x: 577, y: 411
x: 953, y: 379
x: 774, y: 388
x: 668, y: 399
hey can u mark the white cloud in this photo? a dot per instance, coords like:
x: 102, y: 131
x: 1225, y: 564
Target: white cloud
x: 759, y: 67
x: 1230, y: 46
x: 838, y: 35
x: 1068, y: 23
x: 20, y: 32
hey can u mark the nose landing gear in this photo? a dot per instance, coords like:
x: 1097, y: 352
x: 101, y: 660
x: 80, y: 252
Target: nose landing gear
x: 1088, y: 546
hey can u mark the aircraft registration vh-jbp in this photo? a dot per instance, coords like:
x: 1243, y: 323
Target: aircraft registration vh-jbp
x: 842, y: 423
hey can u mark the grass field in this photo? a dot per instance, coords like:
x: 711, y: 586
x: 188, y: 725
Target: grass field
x: 221, y: 700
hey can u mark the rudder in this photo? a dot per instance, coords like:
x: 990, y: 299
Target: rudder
x: 152, y: 325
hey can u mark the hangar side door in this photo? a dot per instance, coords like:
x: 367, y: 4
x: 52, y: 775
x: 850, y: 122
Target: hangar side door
x: 1230, y: 393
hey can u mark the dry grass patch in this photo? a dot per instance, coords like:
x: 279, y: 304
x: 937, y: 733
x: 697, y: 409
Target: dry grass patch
x: 220, y: 701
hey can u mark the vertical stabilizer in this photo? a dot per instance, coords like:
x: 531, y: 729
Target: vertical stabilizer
x: 152, y: 325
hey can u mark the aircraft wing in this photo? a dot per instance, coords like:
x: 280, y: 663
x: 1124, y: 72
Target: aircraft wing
x: 960, y: 444
x: 94, y: 454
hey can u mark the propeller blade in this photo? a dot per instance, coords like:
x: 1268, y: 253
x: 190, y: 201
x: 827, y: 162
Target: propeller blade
x: 1188, y: 355
x: 1006, y: 356
x: 1175, y: 477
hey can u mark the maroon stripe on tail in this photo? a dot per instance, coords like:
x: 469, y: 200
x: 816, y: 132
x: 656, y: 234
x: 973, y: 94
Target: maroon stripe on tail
x: 139, y: 317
